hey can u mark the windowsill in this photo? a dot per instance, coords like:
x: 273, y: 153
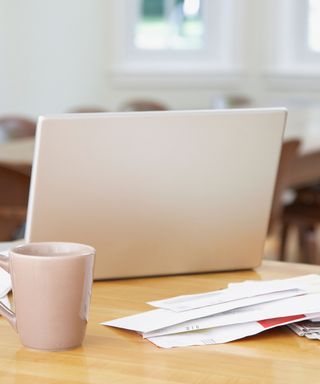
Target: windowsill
x: 301, y: 71
x: 208, y: 75
x: 164, y: 75
x: 294, y: 78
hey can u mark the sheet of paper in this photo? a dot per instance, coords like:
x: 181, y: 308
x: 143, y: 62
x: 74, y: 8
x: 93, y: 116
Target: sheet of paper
x: 5, y: 301
x: 306, y: 327
x: 291, y: 306
x: 235, y: 291
x: 222, y: 334
x: 306, y: 282
x: 5, y: 282
x: 313, y: 336
x: 159, y: 318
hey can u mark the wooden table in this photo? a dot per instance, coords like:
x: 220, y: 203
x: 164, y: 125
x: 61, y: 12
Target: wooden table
x: 116, y: 356
x: 305, y: 170
x: 18, y: 154
x: 303, y: 124
x: 18, y: 151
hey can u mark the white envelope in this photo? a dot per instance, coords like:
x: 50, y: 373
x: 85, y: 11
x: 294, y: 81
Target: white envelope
x: 159, y: 318
x: 235, y: 291
x: 274, y: 309
x: 222, y: 334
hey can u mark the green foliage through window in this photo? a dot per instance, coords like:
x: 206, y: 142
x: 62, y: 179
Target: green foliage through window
x: 170, y: 24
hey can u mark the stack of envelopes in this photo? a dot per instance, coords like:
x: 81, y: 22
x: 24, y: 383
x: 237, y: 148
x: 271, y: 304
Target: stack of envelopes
x: 241, y: 310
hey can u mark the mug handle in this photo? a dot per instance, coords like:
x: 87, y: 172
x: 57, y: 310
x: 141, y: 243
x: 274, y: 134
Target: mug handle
x: 4, y: 310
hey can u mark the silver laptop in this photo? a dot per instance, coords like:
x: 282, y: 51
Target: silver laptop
x: 157, y: 193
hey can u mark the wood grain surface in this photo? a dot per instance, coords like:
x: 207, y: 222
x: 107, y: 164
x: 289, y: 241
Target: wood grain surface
x: 116, y: 356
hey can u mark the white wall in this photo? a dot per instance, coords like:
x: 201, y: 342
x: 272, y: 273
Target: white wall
x: 58, y: 54
x: 55, y: 54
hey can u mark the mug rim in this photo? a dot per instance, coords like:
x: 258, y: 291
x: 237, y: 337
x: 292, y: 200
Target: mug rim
x: 79, y: 249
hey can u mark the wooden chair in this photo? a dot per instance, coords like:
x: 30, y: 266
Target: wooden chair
x: 287, y: 157
x: 13, y: 202
x: 143, y: 105
x: 304, y: 214
x: 14, y: 127
x: 87, y: 109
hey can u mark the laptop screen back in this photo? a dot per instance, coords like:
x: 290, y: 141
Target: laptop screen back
x: 157, y: 192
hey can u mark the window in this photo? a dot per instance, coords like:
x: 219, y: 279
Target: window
x: 206, y: 42
x: 295, y: 41
x: 170, y: 24
x: 314, y: 25
x: 177, y: 39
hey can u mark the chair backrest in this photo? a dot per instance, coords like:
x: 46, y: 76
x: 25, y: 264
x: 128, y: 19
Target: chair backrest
x: 87, y: 109
x: 143, y: 105
x: 13, y: 201
x: 14, y: 127
x: 14, y: 186
x: 288, y: 155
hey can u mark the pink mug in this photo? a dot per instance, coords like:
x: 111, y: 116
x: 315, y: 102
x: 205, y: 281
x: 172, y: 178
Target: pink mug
x: 51, y: 284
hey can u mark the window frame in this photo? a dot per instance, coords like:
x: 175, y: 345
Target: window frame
x: 220, y: 60
x: 289, y: 53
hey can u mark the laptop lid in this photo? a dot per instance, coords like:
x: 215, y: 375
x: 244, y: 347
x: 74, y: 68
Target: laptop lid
x: 157, y: 192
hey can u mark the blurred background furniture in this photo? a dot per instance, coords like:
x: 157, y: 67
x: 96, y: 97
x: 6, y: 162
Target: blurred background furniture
x: 143, y: 105
x: 303, y: 214
x: 15, y: 127
x: 87, y: 109
x: 17, y: 143
x: 16, y: 152
x: 306, y: 167
x: 302, y: 211
x: 14, y: 194
x: 289, y: 153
